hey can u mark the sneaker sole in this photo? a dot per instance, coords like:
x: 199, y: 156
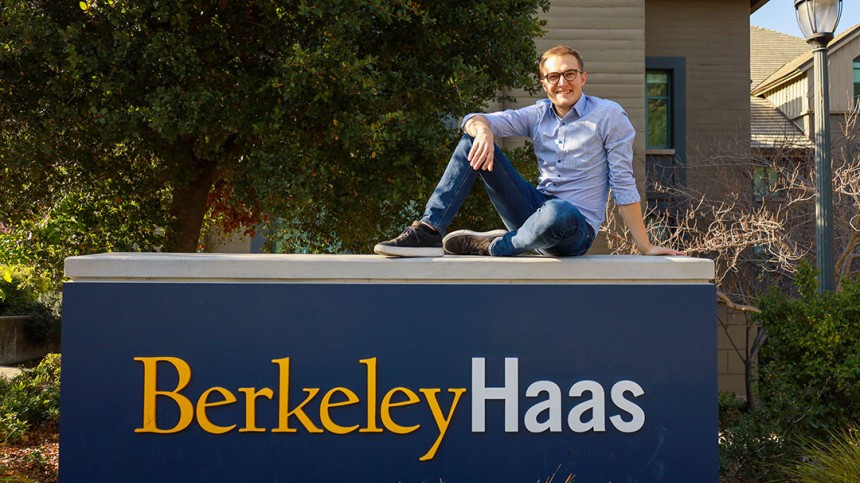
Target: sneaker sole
x: 390, y: 251
x: 491, y: 233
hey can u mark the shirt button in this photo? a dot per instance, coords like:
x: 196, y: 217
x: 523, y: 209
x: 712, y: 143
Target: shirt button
x: 558, y: 161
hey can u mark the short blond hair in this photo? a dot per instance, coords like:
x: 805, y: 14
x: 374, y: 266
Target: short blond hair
x: 560, y: 50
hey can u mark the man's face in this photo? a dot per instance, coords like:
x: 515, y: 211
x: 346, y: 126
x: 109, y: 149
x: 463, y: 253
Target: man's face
x: 564, y: 93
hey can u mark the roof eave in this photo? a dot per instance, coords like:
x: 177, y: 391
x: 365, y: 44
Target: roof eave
x: 772, y: 82
x: 756, y: 4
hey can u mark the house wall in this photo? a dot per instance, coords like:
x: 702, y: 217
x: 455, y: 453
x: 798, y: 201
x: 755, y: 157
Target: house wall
x: 735, y: 335
x: 793, y: 98
x: 713, y: 37
x: 796, y: 97
x: 795, y: 101
x: 841, y: 75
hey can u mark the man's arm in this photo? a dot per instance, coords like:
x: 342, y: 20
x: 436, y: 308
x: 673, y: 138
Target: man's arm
x: 481, y: 154
x: 484, y: 127
x: 632, y: 215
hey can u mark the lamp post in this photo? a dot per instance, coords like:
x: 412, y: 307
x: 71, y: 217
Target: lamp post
x: 817, y: 20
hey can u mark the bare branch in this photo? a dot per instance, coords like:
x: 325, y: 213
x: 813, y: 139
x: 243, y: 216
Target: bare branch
x: 730, y: 304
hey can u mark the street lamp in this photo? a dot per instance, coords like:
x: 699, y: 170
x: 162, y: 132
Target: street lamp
x: 817, y: 20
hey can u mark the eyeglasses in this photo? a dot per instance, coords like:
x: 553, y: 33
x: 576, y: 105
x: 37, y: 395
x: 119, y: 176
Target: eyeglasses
x: 569, y: 75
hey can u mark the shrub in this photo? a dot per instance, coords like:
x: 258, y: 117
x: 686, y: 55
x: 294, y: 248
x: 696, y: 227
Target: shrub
x: 30, y: 399
x: 837, y: 460
x: 16, y: 293
x: 808, y: 383
x: 28, y: 295
x: 6, y: 276
x: 809, y: 368
x: 752, y: 448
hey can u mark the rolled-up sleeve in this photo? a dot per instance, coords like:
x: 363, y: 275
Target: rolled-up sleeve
x: 511, y: 122
x: 619, y: 154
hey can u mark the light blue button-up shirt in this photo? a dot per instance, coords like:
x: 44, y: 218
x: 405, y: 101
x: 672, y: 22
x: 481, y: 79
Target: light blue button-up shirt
x: 580, y: 156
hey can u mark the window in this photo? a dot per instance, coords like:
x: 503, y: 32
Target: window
x: 856, y: 79
x: 658, y: 120
x: 765, y: 179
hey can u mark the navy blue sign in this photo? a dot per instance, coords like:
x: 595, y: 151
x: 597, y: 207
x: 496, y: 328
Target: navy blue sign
x: 388, y: 383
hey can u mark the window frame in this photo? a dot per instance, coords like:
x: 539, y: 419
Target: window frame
x: 855, y: 74
x: 668, y: 162
x: 677, y: 66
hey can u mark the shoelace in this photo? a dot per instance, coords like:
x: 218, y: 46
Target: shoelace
x: 411, y: 231
x: 477, y: 245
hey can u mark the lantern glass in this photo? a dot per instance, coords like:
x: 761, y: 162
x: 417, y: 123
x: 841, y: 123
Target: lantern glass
x: 818, y: 18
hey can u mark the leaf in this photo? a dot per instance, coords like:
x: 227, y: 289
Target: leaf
x: 7, y: 275
x: 84, y: 6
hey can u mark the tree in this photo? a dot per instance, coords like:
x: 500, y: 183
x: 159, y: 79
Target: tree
x: 299, y: 110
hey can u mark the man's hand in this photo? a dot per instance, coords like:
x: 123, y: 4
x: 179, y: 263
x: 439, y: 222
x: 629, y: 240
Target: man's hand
x: 658, y: 250
x: 483, y: 149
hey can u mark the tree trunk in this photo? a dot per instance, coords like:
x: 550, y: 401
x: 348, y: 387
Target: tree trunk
x: 188, y: 208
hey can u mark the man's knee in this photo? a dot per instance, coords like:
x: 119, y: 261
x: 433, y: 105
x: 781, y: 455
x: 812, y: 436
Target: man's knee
x: 566, y: 218
x: 463, y: 147
x: 465, y: 141
x: 562, y: 211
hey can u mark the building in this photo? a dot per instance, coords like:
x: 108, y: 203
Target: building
x: 769, y: 52
x: 789, y: 87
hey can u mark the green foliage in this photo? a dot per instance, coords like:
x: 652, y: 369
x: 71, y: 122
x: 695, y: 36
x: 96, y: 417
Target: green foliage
x: 300, y: 107
x: 752, y: 447
x: 31, y: 399
x: 730, y: 407
x: 18, y: 294
x: 99, y: 217
x: 6, y: 276
x: 808, y: 384
x: 29, y: 295
x: 836, y: 460
x: 286, y: 237
x: 809, y: 369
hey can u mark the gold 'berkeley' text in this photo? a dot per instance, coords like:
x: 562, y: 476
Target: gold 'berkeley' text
x: 291, y: 415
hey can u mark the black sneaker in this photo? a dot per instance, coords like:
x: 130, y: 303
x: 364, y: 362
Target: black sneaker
x: 419, y: 240
x: 467, y: 242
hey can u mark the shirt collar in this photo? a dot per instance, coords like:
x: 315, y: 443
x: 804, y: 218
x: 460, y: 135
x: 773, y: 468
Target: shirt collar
x: 578, y: 108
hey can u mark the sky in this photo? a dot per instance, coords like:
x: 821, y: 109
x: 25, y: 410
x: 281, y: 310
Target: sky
x: 779, y: 15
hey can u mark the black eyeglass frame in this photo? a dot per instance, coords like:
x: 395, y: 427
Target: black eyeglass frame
x: 570, y: 75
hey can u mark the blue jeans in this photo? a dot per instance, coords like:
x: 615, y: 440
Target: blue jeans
x: 535, y: 221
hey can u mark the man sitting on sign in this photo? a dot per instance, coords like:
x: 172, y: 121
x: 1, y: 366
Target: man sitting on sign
x: 584, y: 147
